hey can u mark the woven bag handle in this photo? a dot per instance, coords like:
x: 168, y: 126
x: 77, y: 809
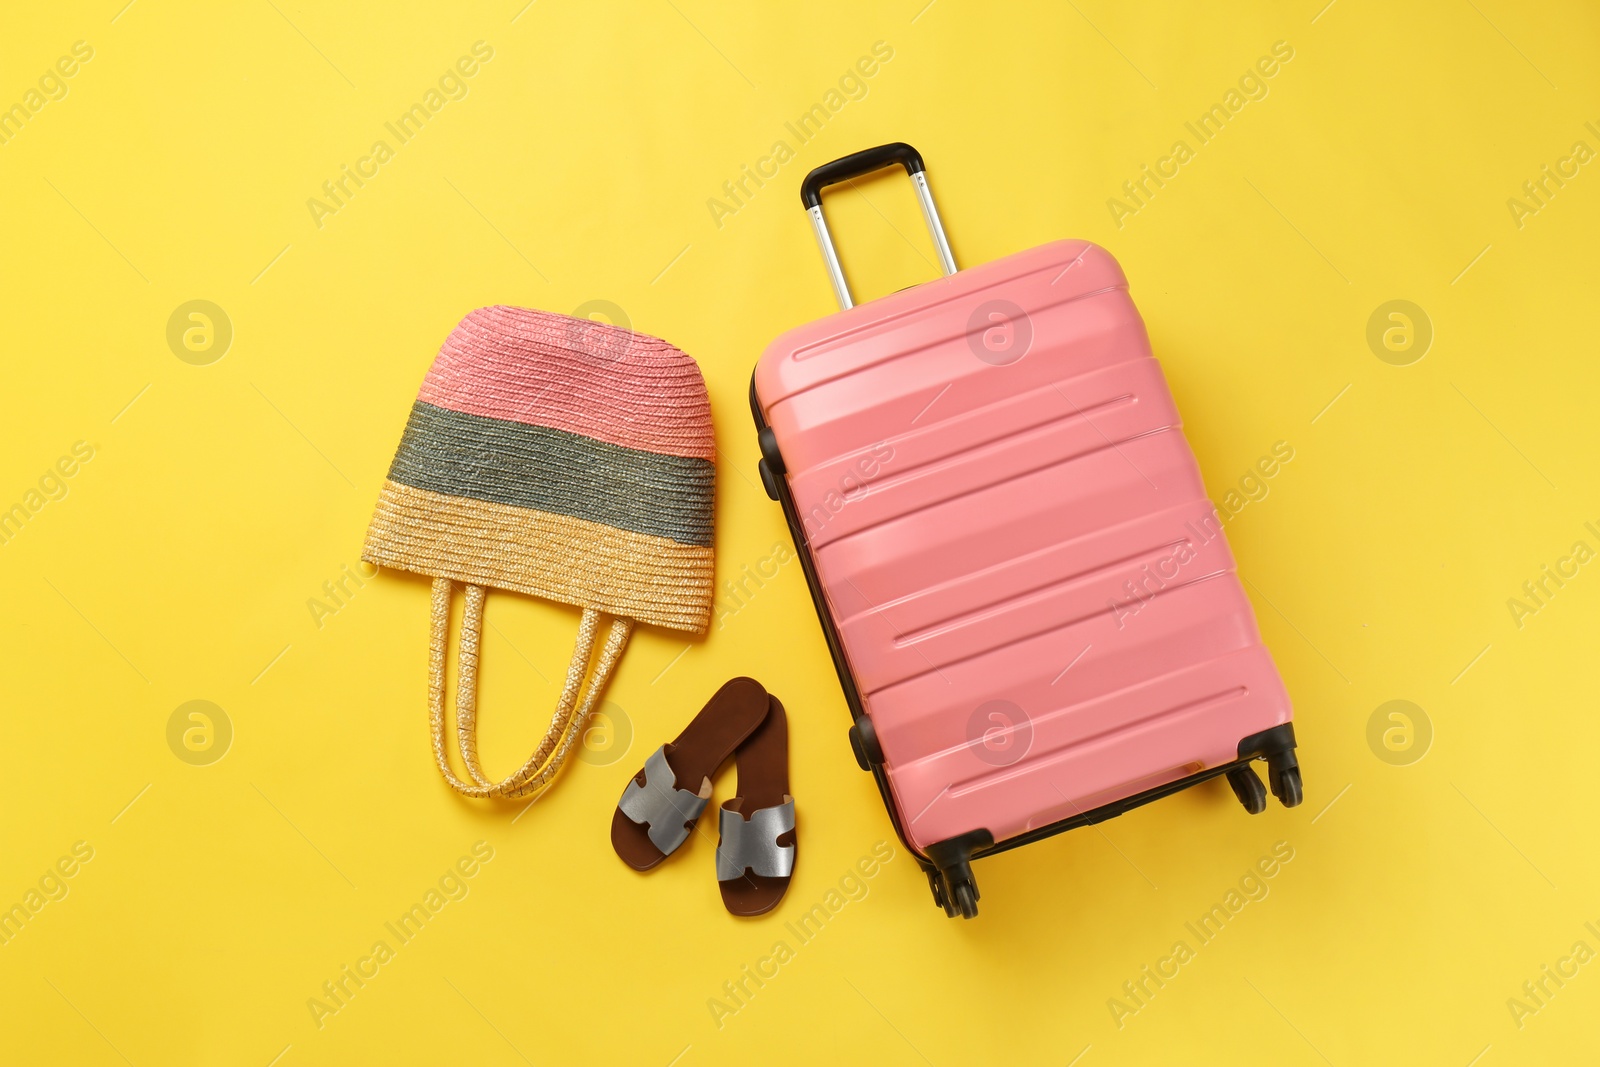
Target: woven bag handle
x: 565, y: 724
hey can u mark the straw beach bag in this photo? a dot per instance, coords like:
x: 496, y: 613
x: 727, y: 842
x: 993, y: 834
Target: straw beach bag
x: 561, y: 458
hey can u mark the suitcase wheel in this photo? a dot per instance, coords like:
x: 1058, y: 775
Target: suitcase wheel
x: 1283, y: 772
x: 955, y: 890
x: 1248, y: 788
x: 1286, y: 785
x: 936, y: 883
x: 949, y: 867
x: 1276, y: 746
x: 966, y: 899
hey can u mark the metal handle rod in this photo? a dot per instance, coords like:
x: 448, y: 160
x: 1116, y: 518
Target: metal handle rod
x: 863, y: 163
x: 930, y: 215
x: 830, y: 258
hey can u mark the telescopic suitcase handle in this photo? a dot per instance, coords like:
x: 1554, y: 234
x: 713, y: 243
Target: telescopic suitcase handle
x: 853, y: 166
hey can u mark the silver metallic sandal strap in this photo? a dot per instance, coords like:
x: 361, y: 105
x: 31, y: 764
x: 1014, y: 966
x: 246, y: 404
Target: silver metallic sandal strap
x: 661, y: 805
x: 753, y: 843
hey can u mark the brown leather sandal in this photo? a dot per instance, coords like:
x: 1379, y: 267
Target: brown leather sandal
x: 661, y: 803
x: 755, y: 856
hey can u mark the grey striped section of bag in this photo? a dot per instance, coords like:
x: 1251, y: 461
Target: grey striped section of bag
x: 553, y: 470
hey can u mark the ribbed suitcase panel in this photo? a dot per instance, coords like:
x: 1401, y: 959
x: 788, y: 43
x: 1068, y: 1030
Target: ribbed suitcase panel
x: 1080, y: 710
x: 1016, y: 515
x: 942, y: 376
x: 1093, y: 752
x: 950, y: 454
x: 1031, y: 593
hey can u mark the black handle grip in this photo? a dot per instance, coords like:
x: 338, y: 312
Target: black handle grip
x: 856, y: 164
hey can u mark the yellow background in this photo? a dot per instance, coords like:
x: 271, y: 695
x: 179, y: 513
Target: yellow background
x: 180, y: 563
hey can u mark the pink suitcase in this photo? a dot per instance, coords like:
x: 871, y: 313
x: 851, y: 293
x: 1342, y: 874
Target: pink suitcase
x: 1028, y: 597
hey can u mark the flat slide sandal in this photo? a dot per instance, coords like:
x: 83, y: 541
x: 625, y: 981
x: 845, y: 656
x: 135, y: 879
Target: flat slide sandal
x: 661, y: 803
x: 756, y: 853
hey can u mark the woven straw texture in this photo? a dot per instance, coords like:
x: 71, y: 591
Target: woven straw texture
x: 652, y: 579
x: 572, y: 374
x: 562, y: 458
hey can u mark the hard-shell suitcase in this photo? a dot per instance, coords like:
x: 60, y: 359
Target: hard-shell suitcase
x: 1033, y: 611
